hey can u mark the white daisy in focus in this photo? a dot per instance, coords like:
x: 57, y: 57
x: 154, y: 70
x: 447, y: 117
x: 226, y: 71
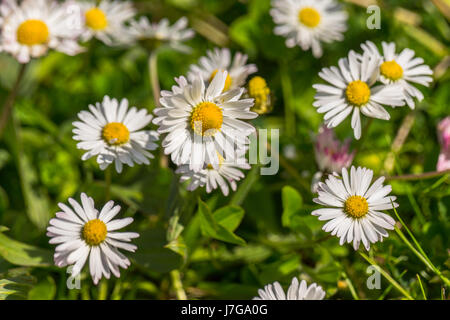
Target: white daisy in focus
x: 32, y: 28
x: 112, y: 132
x: 354, y: 207
x: 220, y: 60
x: 152, y: 35
x: 106, y: 20
x: 229, y: 173
x: 351, y: 90
x: 307, y: 23
x: 296, y: 291
x: 202, y: 123
x: 402, y: 69
x: 81, y: 232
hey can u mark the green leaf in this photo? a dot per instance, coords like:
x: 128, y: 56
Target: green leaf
x: 15, y: 284
x: 178, y: 246
x: 292, y: 203
x: 23, y: 254
x: 211, y: 228
x: 229, y: 217
x: 35, y: 199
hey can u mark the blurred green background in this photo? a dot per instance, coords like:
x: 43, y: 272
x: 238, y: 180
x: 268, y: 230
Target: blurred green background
x: 41, y: 166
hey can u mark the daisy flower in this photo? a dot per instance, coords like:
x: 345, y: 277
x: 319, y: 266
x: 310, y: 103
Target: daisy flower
x: 81, y: 232
x: 402, y: 69
x: 151, y: 35
x: 297, y: 291
x: 220, y: 60
x: 444, y: 140
x: 258, y: 89
x: 227, y: 174
x: 106, y: 20
x: 351, y: 90
x: 35, y: 26
x: 331, y: 154
x: 354, y: 212
x: 307, y: 23
x: 203, y: 122
x: 112, y: 132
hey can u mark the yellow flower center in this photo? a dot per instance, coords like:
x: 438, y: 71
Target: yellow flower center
x: 258, y: 90
x: 115, y: 133
x: 358, y: 93
x: 32, y: 32
x: 94, y: 232
x: 228, y: 80
x: 96, y: 19
x: 391, y: 70
x: 356, y: 206
x: 310, y: 17
x: 206, y: 119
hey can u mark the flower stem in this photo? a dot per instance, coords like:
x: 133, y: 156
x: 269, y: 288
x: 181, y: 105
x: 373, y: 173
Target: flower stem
x: 286, y: 86
x: 154, y: 79
x: 178, y: 285
x: 365, y: 131
x: 421, y: 287
x: 9, y: 103
x: 422, y: 176
x: 388, y: 277
x: 350, y: 286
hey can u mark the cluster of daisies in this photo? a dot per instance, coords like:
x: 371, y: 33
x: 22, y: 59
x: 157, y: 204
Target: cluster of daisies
x: 205, y: 120
x: 364, y: 83
x: 30, y: 28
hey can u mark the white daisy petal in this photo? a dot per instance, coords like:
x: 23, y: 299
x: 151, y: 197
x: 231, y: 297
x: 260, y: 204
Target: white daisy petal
x: 296, y: 291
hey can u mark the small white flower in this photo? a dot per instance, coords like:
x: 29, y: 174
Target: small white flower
x: 202, y: 123
x: 331, y: 154
x: 351, y: 89
x: 220, y: 60
x: 228, y: 174
x: 296, y: 291
x: 162, y: 32
x: 355, y: 213
x: 113, y: 133
x: 83, y: 232
x: 307, y: 23
x: 402, y: 69
x: 35, y: 26
x: 106, y: 20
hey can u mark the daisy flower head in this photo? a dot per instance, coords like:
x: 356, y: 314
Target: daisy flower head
x: 351, y: 89
x: 153, y: 35
x: 113, y: 132
x: 202, y: 122
x: 403, y: 69
x: 105, y: 20
x: 220, y: 60
x: 226, y: 176
x: 297, y: 291
x: 307, y: 23
x: 82, y: 232
x: 444, y: 140
x: 259, y: 90
x: 33, y: 27
x: 354, y: 207
x: 331, y: 154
